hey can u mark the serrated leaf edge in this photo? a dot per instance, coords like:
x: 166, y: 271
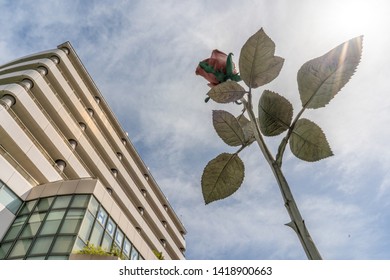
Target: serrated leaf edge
x: 207, y: 201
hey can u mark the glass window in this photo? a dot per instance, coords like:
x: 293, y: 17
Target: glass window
x: 119, y: 238
x: 62, y: 201
x: 31, y: 228
x: 36, y: 258
x: 102, y: 216
x: 126, y: 247
x: 110, y: 228
x: 72, y: 221
x: 28, y: 207
x: 107, y: 242
x: 78, y: 245
x: 44, y: 204
x: 63, y: 244
x: 52, y: 222
x: 93, y: 206
x: 9, y: 199
x: 41, y: 245
x: 134, y: 254
x: 20, y: 248
x: 4, y: 247
x: 66, y: 257
x: 97, y: 234
x: 80, y: 201
x: 86, y: 227
x: 15, y: 228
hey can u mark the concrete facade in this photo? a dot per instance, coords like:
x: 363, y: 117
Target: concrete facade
x: 59, y: 137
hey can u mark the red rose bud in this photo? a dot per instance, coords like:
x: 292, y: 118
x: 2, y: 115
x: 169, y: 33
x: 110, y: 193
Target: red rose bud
x: 215, y: 69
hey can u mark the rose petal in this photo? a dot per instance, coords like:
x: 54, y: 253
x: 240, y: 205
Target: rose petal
x: 208, y: 76
x: 217, y: 54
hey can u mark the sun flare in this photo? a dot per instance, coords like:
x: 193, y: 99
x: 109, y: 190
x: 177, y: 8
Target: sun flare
x: 357, y: 16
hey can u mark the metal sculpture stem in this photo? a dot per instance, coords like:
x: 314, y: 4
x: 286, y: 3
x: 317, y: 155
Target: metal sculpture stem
x: 297, y: 223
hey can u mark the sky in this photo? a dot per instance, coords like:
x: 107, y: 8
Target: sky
x: 142, y: 55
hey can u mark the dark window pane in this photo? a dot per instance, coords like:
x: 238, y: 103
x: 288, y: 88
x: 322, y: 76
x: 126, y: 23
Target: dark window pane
x: 80, y: 201
x: 28, y: 206
x: 62, y: 201
x: 44, y: 204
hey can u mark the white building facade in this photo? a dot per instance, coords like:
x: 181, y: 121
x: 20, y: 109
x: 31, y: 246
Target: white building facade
x: 69, y: 175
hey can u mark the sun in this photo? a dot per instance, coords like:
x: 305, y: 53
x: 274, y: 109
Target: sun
x: 358, y: 16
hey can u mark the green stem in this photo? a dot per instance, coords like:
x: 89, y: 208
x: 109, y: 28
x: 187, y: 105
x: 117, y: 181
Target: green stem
x: 297, y: 223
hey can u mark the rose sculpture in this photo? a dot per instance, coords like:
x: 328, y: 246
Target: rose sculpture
x: 218, y: 68
x: 319, y: 80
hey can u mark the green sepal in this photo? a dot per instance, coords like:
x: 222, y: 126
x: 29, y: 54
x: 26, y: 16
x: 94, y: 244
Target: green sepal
x: 229, y: 65
x: 206, y: 67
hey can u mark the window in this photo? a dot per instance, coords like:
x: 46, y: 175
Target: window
x: 107, y: 242
x: 80, y: 201
x: 51, y: 227
x: 102, y: 216
x: 134, y: 254
x: 42, y: 245
x: 97, y: 234
x: 33, y: 224
x: 119, y: 238
x: 62, y: 201
x: 126, y: 247
x: 15, y: 228
x: 63, y: 244
x: 44, y: 204
x: 93, y: 206
x: 9, y: 199
x: 28, y: 207
x: 20, y: 248
x: 4, y: 248
x: 86, y: 227
x: 72, y: 221
x: 110, y: 228
x: 52, y: 222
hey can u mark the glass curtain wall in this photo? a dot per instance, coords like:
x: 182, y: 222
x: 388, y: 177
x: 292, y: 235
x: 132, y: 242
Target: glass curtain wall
x: 54, y: 227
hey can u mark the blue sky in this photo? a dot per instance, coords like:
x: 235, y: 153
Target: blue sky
x: 142, y: 56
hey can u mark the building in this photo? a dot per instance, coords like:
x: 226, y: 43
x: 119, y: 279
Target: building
x: 68, y: 172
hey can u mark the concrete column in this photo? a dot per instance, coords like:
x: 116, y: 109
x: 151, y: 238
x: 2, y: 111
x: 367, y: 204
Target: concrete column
x: 8, y: 101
